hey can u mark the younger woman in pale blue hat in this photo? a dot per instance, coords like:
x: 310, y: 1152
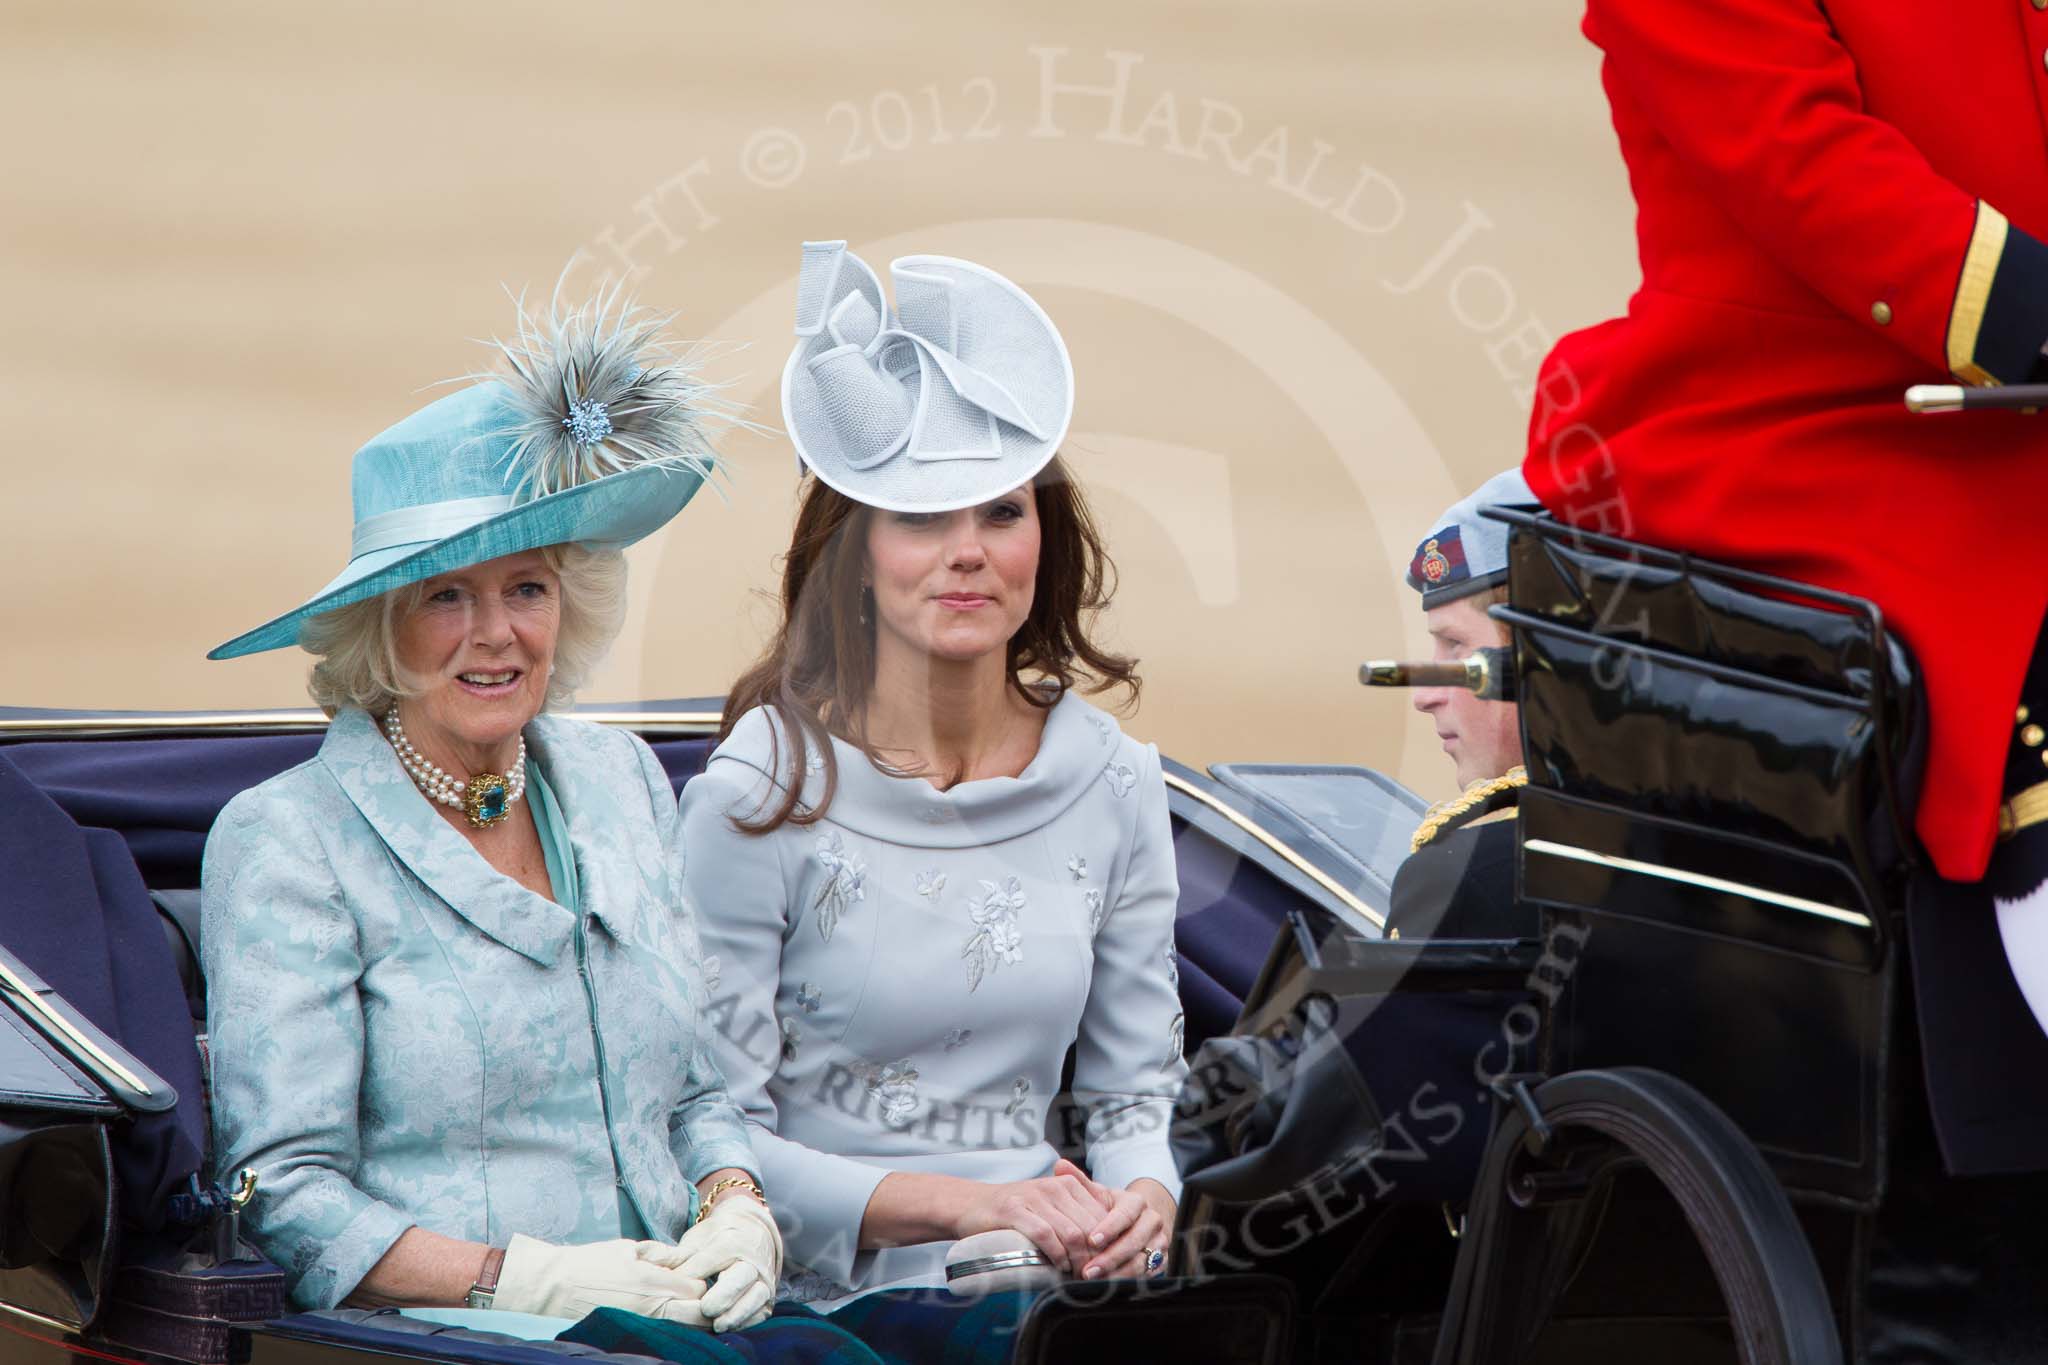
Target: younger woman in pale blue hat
x: 927, y: 867
x: 453, y: 987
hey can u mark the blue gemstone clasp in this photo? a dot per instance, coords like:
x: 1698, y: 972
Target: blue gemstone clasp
x: 485, y: 801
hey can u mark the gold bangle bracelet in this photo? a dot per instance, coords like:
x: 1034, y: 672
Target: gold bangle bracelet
x: 731, y: 1182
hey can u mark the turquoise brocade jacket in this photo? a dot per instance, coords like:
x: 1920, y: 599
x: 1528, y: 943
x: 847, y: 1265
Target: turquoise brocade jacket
x: 401, y: 1035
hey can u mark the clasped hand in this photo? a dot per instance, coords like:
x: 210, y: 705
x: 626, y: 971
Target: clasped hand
x: 1083, y: 1227
x: 572, y: 1281
x: 738, y: 1249
x: 722, y: 1275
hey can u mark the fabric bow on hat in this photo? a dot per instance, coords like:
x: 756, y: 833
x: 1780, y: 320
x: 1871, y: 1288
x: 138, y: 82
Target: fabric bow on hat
x: 965, y: 368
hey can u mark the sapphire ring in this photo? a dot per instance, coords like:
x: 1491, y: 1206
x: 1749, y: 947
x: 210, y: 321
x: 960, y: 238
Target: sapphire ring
x: 1155, y: 1260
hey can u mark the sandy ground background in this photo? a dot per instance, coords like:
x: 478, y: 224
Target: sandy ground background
x: 1306, y: 255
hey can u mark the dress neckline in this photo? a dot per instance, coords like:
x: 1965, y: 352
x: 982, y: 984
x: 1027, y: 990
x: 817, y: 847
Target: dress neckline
x: 1079, y: 746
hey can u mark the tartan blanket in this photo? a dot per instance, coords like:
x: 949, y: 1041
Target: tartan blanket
x: 893, y: 1327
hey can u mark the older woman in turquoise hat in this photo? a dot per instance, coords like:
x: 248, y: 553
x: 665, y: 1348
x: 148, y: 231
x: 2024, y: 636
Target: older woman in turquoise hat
x: 454, y: 997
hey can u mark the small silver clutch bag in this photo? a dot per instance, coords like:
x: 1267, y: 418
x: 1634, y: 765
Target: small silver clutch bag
x: 1001, y: 1259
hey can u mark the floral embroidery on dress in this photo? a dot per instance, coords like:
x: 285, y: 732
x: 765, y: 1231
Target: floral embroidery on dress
x: 792, y: 1039
x: 1093, y: 896
x: 1176, y: 1039
x: 801, y: 1284
x: 956, y: 1038
x: 713, y: 972
x: 1102, y: 728
x: 1078, y: 866
x: 995, y: 939
x: 931, y: 883
x: 1121, y: 777
x: 1020, y: 1090
x: 845, y: 882
x: 814, y: 762
x: 809, y: 997
x: 894, y: 1086
x: 1172, y: 968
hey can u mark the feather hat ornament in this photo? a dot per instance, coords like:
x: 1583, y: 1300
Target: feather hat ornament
x: 600, y: 389
x: 595, y: 430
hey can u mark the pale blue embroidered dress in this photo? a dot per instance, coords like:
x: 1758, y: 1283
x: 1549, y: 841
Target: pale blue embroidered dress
x: 897, y: 984
x: 402, y: 1035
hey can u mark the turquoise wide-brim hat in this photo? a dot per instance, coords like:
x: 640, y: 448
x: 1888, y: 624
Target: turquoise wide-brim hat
x: 596, y: 437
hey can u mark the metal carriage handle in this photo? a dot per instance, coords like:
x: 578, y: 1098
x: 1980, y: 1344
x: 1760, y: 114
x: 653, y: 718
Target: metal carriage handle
x: 2028, y: 398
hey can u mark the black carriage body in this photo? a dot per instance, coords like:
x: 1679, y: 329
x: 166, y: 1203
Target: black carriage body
x: 1721, y: 765
x: 1722, y: 772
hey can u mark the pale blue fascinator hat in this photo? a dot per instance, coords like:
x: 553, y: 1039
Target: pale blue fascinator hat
x: 959, y: 392
x: 596, y: 432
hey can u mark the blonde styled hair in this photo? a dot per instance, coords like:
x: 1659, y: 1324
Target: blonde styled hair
x: 356, y: 647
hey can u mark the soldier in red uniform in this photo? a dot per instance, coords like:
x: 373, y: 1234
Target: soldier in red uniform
x: 1836, y: 201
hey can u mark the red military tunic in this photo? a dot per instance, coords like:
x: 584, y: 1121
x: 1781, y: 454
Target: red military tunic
x: 1833, y: 203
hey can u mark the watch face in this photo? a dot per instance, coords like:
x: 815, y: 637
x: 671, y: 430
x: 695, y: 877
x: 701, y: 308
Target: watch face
x: 479, y: 1298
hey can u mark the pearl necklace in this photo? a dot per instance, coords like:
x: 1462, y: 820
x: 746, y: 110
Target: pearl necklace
x: 486, y: 798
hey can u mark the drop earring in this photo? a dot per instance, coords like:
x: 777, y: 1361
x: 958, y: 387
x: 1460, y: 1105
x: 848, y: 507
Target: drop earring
x: 866, y: 595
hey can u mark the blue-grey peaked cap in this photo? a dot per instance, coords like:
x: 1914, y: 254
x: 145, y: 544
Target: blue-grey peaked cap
x: 1467, y: 552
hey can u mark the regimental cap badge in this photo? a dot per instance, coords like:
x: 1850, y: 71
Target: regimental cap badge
x: 1467, y: 553
x: 1438, y: 560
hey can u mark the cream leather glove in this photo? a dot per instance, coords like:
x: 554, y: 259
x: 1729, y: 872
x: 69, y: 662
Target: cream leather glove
x: 738, y: 1248
x: 568, y: 1282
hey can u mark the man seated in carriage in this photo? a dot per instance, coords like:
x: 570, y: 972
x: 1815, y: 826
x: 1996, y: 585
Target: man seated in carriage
x: 1459, y: 880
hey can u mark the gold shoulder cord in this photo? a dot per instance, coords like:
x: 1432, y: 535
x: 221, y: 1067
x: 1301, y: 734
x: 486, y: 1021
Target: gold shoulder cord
x: 1478, y: 794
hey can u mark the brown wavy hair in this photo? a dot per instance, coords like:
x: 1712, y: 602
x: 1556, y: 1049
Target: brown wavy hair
x: 819, y: 669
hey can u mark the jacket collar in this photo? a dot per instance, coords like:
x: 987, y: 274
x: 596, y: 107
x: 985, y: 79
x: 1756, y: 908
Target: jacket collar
x: 368, y: 771
x: 1078, y: 749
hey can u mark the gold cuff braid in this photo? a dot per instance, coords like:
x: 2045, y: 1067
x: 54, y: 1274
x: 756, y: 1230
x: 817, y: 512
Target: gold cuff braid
x: 1973, y: 296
